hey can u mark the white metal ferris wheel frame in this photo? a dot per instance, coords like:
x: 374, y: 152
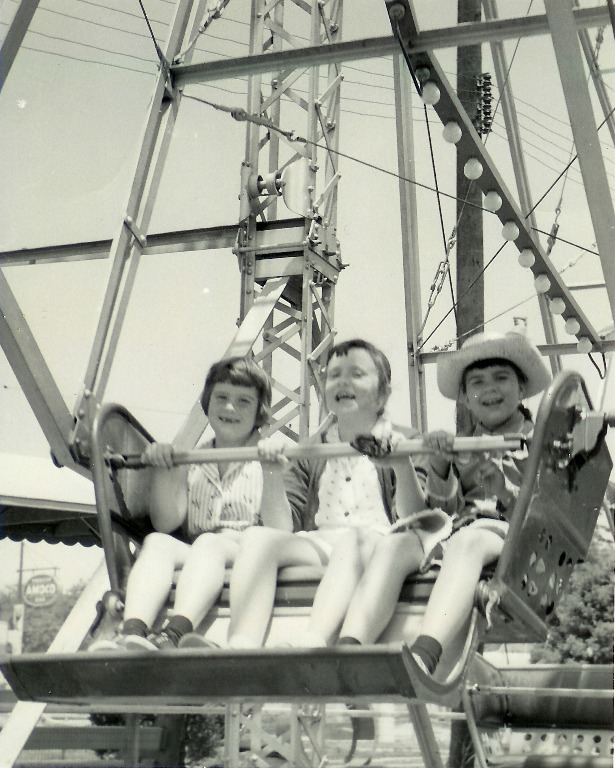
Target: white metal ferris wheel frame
x: 291, y: 266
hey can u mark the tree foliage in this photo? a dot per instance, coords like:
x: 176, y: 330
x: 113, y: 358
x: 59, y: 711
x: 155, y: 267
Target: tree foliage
x: 582, y: 630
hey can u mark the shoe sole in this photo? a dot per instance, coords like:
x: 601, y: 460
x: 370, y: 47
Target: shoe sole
x: 137, y: 643
x: 196, y: 641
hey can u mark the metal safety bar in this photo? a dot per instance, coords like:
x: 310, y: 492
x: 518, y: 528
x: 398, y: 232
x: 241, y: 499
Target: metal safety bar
x: 415, y: 447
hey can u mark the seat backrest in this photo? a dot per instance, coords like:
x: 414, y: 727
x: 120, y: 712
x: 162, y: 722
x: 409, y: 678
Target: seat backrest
x: 556, y: 512
x: 127, y: 491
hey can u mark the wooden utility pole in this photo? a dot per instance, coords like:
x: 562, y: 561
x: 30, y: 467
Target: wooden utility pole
x: 470, y: 314
x: 470, y: 294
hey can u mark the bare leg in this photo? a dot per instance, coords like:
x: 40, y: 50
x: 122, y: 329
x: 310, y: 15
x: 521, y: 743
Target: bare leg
x: 451, y: 600
x: 202, y: 577
x: 151, y: 578
x: 335, y: 589
x: 373, y: 603
x: 253, y: 581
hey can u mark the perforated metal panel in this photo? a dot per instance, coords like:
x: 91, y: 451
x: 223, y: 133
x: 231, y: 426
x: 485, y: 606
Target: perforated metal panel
x: 556, y: 513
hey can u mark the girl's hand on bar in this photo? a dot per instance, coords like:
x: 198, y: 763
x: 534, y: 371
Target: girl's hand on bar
x: 159, y: 455
x: 271, y: 451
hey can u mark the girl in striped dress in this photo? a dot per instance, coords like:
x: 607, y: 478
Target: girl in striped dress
x: 205, y: 509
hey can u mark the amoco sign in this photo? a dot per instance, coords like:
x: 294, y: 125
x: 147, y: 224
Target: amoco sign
x: 40, y: 590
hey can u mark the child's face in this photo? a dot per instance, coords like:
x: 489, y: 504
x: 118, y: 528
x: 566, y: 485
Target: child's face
x: 493, y: 394
x: 232, y: 413
x: 352, y: 385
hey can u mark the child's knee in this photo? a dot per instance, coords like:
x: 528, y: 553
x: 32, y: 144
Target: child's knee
x: 468, y: 542
x: 157, y: 542
x: 204, y: 541
x: 399, y: 544
x: 259, y: 538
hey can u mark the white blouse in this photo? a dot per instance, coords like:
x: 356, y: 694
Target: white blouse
x: 232, y: 501
x: 349, y: 492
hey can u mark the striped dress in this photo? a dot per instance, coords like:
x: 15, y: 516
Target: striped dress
x: 232, y: 501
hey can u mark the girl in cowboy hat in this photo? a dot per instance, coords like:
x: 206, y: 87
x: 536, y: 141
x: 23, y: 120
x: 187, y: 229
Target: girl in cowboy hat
x: 491, y: 374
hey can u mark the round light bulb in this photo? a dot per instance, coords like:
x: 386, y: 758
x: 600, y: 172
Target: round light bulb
x: 527, y: 258
x: 542, y: 283
x: 572, y: 326
x: 584, y: 345
x: 473, y: 168
x: 422, y: 74
x: 451, y: 132
x: 557, y: 305
x: 492, y: 201
x: 397, y: 11
x: 430, y: 93
x: 510, y: 231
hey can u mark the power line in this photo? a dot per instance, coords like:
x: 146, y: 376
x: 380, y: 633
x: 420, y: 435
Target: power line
x: 94, y: 23
x: 87, y: 61
x: 347, y: 99
x: 120, y: 10
x: 164, y: 64
x: 89, y: 45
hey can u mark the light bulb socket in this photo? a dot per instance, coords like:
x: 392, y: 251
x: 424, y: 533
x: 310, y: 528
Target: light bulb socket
x: 542, y: 283
x: 492, y: 201
x: 572, y: 326
x: 584, y: 345
x: 510, y: 231
x: 430, y: 93
x: 557, y: 305
x: 526, y: 258
x: 452, y: 132
x: 473, y: 168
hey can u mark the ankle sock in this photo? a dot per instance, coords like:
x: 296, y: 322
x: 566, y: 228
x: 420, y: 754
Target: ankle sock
x: 348, y: 640
x: 134, y: 627
x: 178, y: 626
x: 429, y: 650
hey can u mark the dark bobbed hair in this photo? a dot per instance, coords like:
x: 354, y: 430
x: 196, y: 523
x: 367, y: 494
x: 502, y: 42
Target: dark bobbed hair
x: 381, y: 362
x: 242, y: 372
x: 487, y: 363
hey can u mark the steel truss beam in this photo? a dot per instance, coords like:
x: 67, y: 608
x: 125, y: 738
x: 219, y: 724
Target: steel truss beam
x: 372, y: 47
x: 307, y: 254
x: 449, y: 109
x: 518, y: 160
x: 34, y: 376
x: 15, y: 35
x: 409, y: 241
x: 45, y: 401
x: 576, y: 92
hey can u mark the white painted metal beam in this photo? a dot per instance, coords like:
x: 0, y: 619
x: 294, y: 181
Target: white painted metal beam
x: 372, y: 47
x: 449, y: 109
x: 15, y: 35
x: 574, y: 82
x: 513, y: 134
x: 34, y: 377
x: 409, y: 241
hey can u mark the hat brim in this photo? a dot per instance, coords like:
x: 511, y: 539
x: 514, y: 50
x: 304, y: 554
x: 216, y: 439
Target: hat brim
x: 512, y: 347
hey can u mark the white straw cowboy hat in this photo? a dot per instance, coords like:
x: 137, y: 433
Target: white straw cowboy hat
x: 512, y: 346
